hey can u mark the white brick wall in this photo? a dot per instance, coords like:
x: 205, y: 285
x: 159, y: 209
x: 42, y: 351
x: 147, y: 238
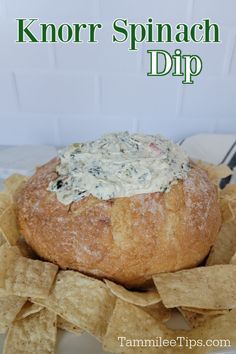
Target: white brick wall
x: 164, y: 10
x: 56, y: 94
x: 54, y: 10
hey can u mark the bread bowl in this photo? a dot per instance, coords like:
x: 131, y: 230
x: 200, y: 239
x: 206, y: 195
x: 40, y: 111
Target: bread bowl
x: 130, y: 229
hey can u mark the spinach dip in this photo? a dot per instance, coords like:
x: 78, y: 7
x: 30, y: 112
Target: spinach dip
x: 118, y: 165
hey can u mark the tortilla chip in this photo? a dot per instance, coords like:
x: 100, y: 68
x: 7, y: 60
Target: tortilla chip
x: 225, y: 245
x: 227, y: 211
x: 5, y: 201
x: 14, y: 184
x: 215, y: 172
x: 205, y: 311
x: 130, y: 325
x: 67, y: 326
x: 84, y: 301
x: 193, y: 319
x: 2, y: 240
x: 159, y: 312
x: 215, y: 328
x: 28, y: 309
x: 233, y: 259
x: 134, y: 323
x: 212, y: 328
x: 5, y: 258
x: 233, y: 206
x: 9, y: 308
x: 35, y: 334
x: 134, y: 297
x: 229, y: 192
x: 203, y: 287
x: 8, y: 226
x: 25, y: 277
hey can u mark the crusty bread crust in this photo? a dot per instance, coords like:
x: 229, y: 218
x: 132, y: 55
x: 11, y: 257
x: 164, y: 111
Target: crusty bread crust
x: 125, y: 239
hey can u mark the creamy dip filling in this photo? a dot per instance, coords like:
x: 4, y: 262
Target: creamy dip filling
x: 118, y: 165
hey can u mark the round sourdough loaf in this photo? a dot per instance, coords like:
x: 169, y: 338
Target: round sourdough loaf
x: 125, y: 239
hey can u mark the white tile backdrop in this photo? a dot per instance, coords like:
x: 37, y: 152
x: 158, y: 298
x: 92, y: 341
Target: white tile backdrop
x: 57, y: 94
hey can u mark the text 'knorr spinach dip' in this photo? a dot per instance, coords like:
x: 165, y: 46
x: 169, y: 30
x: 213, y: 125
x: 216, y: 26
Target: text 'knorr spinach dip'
x: 118, y: 165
